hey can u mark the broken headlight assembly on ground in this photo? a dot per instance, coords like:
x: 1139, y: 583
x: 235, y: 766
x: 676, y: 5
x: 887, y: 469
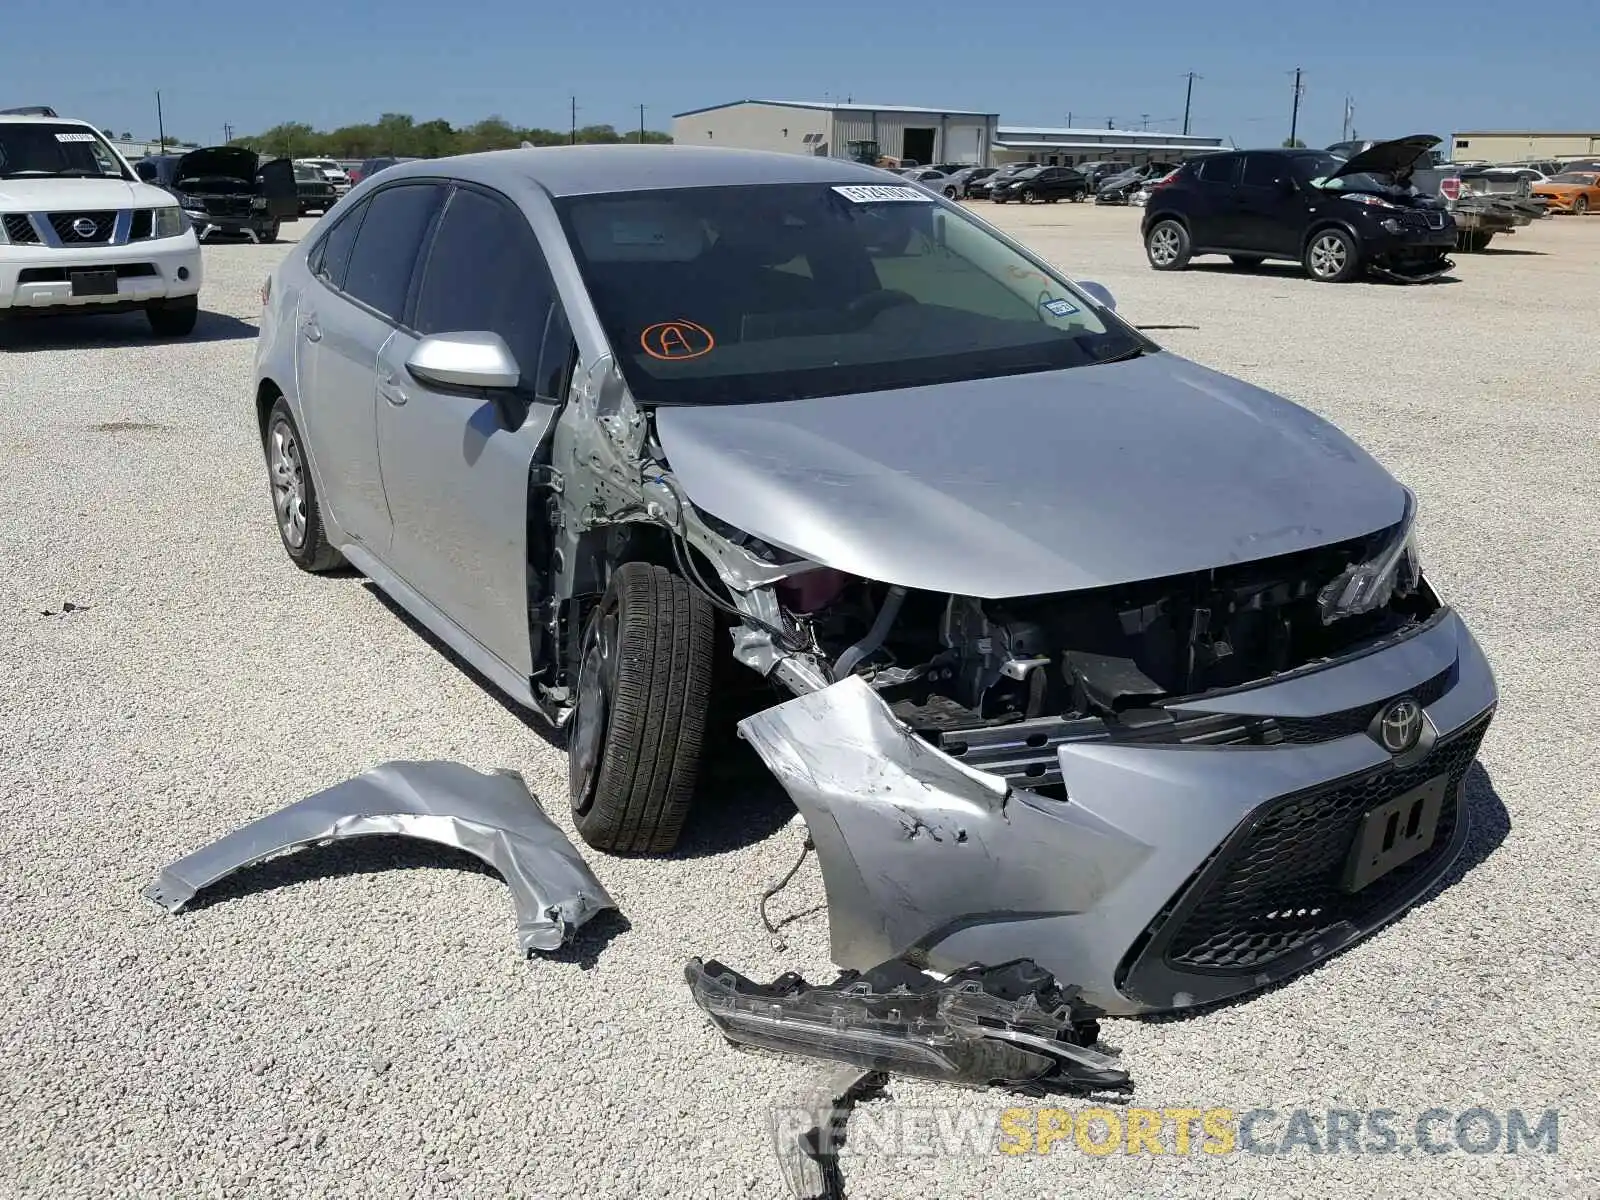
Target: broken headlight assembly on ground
x: 1008, y: 1025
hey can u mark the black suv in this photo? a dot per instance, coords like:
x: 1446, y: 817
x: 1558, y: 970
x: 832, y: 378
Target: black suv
x: 1338, y: 217
x: 1044, y: 184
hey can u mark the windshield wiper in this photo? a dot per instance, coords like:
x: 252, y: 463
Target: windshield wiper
x: 1134, y: 352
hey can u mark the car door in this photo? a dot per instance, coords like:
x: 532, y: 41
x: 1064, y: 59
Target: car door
x: 276, y: 183
x: 363, y: 270
x: 1271, y: 209
x: 1214, y: 221
x: 456, y: 465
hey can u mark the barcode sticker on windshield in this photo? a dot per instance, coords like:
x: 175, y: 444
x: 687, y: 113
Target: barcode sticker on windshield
x: 878, y: 193
x: 75, y: 137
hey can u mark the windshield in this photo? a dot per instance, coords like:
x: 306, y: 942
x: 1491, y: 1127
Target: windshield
x: 30, y: 150
x: 778, y: 292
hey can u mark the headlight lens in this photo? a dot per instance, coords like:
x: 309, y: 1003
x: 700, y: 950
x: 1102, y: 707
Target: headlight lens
x: 1394, y: 568
x: 169, y: 221
x: 1370, y: 201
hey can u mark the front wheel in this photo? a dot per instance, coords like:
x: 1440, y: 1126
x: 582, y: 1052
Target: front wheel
x: 1580, y: 206
x: 1027, y: 196
x: 644, y: 684
x: 267, y: 233
x: 949, y: 193
x: 1167, y: 246
x: 173, y: 318
x: 1332, y: 257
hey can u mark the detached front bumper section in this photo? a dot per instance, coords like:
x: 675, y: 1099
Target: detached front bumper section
x: 1172, y: 875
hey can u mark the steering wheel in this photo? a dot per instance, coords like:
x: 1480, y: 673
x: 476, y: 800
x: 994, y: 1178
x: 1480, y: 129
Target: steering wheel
x: 864, y: 309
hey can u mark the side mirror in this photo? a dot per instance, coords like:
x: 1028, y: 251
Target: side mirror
x: 1101, y: 294
x: 474, y: 361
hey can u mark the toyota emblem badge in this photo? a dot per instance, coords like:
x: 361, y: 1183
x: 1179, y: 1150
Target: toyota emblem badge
x: 1400, y: 725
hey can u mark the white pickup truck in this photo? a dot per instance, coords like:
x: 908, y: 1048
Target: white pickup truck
x: 80, y: 233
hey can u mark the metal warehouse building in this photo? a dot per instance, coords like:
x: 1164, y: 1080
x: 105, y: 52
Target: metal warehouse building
x: 1509, y: 146
x: 858, y: 131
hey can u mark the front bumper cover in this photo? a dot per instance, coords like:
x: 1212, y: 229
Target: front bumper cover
x: 491, y: 816
x: 926, y: 859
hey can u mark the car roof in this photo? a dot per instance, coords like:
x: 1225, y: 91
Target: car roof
x: 34, y: 119
x: 591, y: 170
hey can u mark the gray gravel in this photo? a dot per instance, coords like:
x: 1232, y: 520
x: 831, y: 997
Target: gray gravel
x: 356, y: 1025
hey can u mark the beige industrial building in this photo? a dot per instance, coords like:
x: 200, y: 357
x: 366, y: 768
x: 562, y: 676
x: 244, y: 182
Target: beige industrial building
x: 1510, y: 146
x: 847, y: 130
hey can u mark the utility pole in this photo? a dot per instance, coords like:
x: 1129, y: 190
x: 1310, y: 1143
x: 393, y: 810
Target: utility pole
x: 1349, y: 119
x: 1111, y: 122
x: 1144, y: 121
x: 1188, y: 97
x: 161, y: 128
x: 1069, y: 120
x: 641, y: 124
x: 227, y: 133
x: 573, y: 140
x: 1294, y: 116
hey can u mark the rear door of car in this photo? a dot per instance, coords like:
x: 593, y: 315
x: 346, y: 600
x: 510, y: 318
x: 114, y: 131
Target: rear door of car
x: 1214, y: 218
x: 363, y: 269
x: 278, y: 187
x: 456, y: 464
x: 1271, y: 211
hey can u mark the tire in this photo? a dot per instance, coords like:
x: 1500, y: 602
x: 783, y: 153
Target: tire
x: 950, y: 193
x: 1247, y: 260
x: 644, y: 685
x: 1167, y: 246
x: 1331, y: 256
x: 1026, y: 196
x: 1474, y: 241
x: 268, y: 233
x: 296, y: 508
x: 1580, y: 206
x: 173, y: 318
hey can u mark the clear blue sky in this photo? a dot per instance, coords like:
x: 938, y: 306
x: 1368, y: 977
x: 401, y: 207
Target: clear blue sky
x: 1411, y: 67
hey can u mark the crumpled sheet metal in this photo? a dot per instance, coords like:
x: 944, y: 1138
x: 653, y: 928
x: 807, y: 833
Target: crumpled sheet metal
x: 915, y: 845
x: 492, y: 816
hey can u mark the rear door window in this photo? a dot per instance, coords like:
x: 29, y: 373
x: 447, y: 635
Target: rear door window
x: 386, y: 248
x: 332, y: 254
x: 1218, y: 170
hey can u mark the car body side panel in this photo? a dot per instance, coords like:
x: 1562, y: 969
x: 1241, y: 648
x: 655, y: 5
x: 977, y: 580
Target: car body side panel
x: 456, y: 484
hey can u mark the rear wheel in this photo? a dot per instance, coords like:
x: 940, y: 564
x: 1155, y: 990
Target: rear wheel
x: 268, y: 233
x: 1167, y: 246
x: 644, y: 683
x: 294, y: 497
x: 1332, y: 257
x: 1474, y: 241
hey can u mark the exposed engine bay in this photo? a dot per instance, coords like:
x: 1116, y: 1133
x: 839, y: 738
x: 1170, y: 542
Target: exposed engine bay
x: 1001, y: 683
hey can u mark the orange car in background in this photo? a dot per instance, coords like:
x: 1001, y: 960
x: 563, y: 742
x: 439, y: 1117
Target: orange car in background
x: 1571, y: 191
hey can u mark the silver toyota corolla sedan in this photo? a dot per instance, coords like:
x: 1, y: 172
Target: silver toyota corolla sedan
x: 1076, y: 651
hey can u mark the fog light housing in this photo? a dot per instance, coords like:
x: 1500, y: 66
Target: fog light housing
x: 1391, y: 225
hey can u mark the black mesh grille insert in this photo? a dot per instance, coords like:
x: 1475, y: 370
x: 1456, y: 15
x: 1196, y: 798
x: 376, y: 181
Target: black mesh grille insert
x: 20, y: 230
x: 1278, y: 885
x: 83, y: 228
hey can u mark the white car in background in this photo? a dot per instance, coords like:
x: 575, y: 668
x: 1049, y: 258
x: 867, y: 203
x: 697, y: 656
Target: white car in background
x: 331, y: 171
x: 80, y: 233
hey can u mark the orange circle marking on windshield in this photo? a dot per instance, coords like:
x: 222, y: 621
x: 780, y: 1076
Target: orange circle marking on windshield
x: 673, y: 340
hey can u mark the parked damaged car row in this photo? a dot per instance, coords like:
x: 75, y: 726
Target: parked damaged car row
x: 1155, y: 696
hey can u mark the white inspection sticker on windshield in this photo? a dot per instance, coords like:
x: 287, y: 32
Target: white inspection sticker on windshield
x: 878, y: 193
x: 75, y: 137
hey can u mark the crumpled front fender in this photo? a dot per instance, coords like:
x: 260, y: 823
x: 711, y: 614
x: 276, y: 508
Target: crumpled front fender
x: 490, y: 816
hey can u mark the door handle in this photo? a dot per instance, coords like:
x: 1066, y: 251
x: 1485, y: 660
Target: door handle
x: 389, y: 387
x: 311, y: 329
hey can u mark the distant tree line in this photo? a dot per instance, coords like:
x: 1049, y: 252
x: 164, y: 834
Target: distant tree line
x: 401, y: 135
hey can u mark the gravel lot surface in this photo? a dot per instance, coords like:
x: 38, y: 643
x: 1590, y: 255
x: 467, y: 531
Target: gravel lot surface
x: 354, y: 1021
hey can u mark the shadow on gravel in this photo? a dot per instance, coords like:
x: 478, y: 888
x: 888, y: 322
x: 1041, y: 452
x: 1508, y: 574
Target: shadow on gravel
x: 1285, y: 270
x: 28, y: 334
x: 1492, y: 251
x: 556, y: 738
x: 1490, y: 824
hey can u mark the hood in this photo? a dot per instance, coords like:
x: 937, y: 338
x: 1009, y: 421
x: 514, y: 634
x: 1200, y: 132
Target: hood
x: 41, y: 193
x: 1033, y: 484
x: 1389, y: 158
x: 218, y: 162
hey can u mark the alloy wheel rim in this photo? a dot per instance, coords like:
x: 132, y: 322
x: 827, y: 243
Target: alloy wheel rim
x: 596, y: 673
x: 1164, y: 245
x: 1328, y: 256
x: 288, y: 485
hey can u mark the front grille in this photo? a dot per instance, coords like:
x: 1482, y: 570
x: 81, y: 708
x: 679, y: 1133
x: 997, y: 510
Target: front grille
x: 103, y: 224
x: 20, y: 230
x: 141, y: 225
x: 1306, y: 730
x: 1277, y: 884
